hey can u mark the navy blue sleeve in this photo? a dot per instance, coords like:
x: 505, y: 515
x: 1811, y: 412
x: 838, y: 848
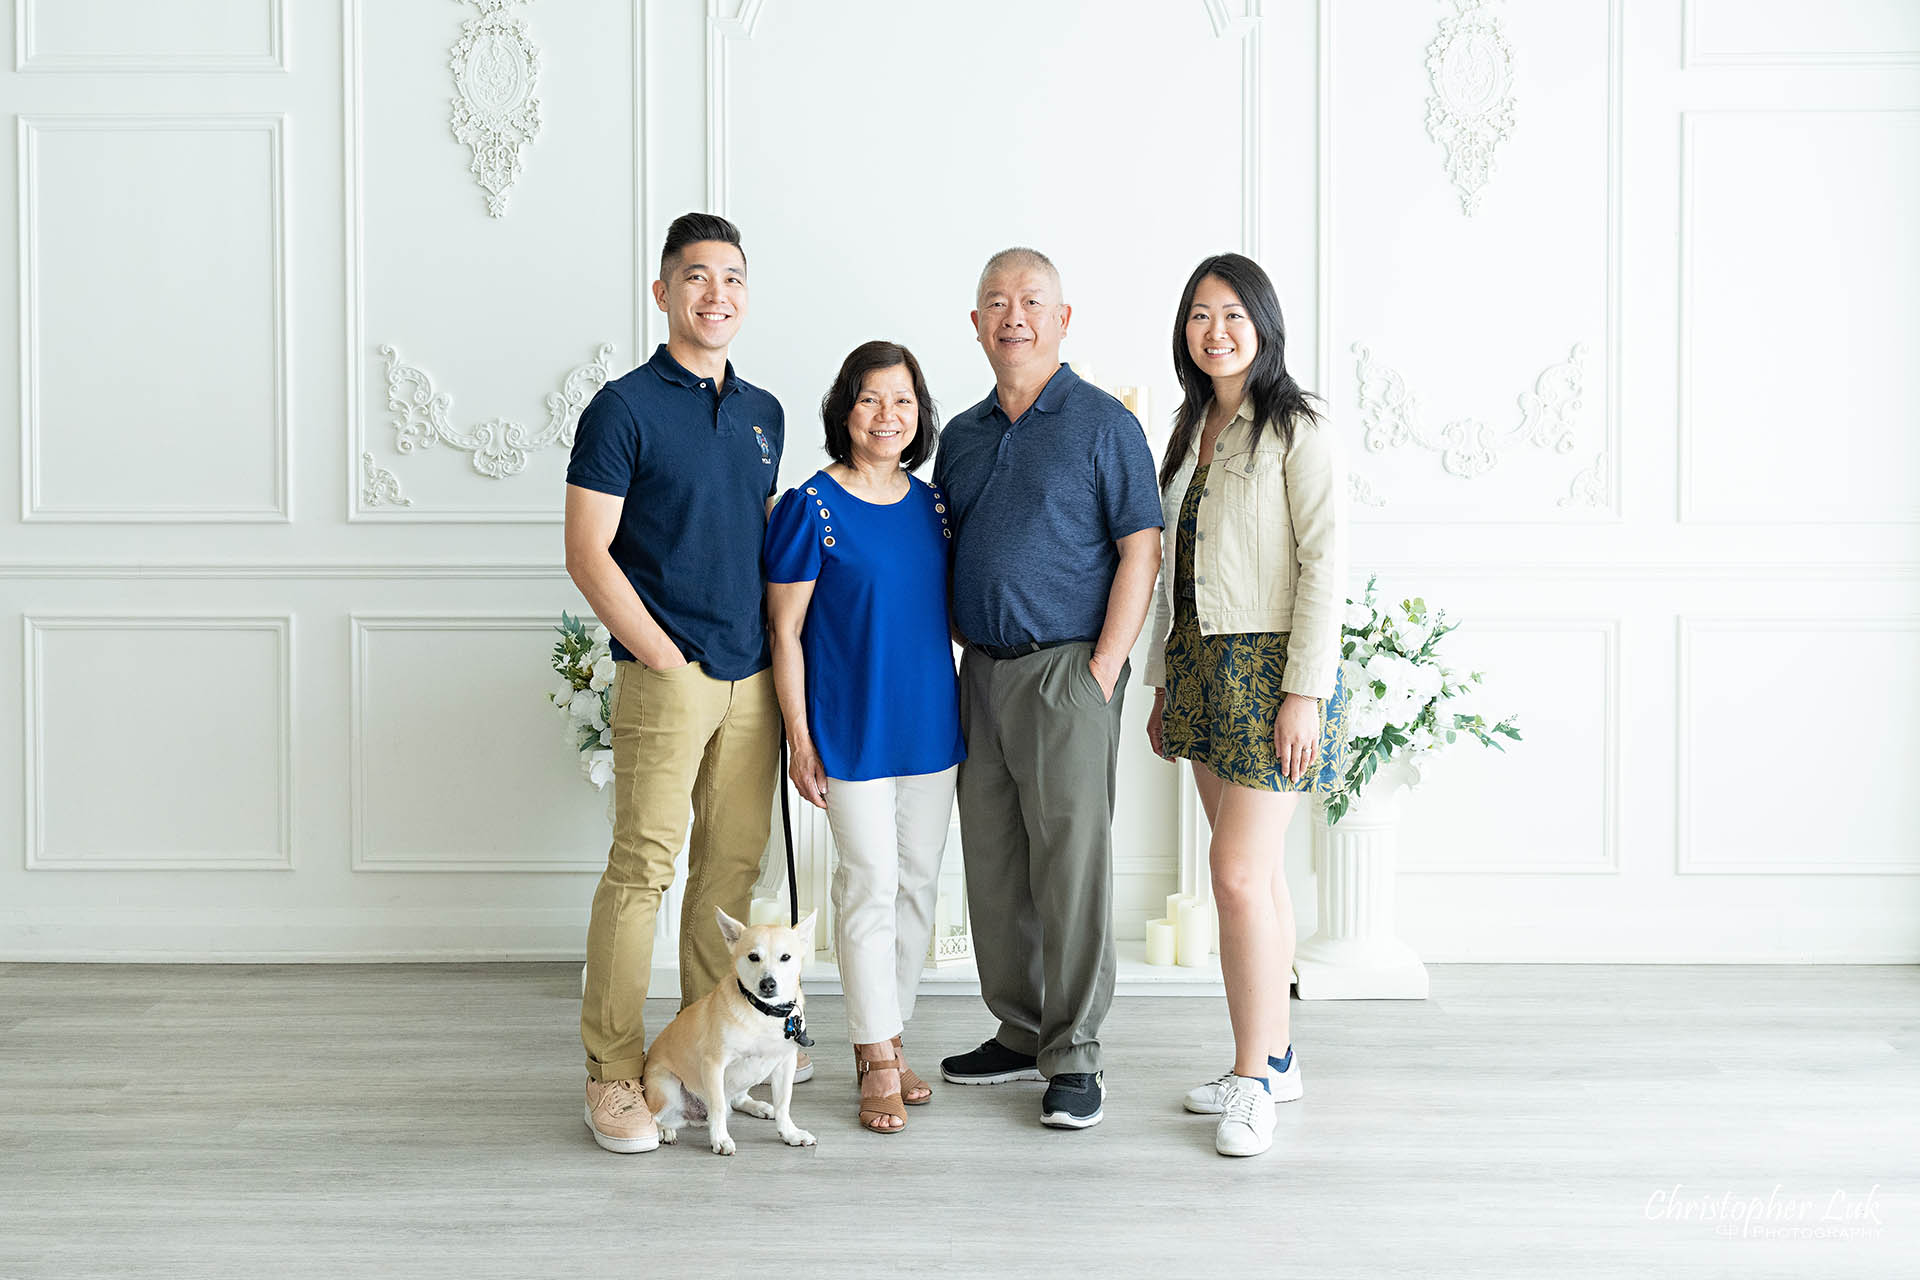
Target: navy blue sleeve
x: 793, y: 547
x: 1129, y: 490
x: 606, y: 443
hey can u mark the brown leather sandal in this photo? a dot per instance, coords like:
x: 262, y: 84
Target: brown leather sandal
x: 910, y: 1080
x: 887, y: 1104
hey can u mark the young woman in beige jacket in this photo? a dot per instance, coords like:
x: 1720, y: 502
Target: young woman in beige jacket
x: 1245, y: 657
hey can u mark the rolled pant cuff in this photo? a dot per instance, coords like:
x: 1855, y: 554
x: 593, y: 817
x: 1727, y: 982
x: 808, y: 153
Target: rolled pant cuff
x: 1018, y: 1039
x: 1084, y: 1058
x: 854, y: 1035
x: 623, y: 1069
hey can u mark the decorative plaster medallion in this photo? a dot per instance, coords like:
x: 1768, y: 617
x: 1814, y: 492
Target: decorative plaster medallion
x: 379, y: 486
x: 1358, y: 490
x: 499, y: 448
x: 1471, y: 110
x: 495, y: 66
x: 1469, y: 448
x: 1589, y: 488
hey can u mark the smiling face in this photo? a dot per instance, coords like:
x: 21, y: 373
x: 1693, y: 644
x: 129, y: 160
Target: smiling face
x: 1220, y: 334
x: 1020, y: 319
x: 884, y: 418
x: 704, y: 293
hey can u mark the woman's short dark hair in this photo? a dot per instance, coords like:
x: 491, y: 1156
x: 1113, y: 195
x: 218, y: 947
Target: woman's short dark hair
x: 837, y: 405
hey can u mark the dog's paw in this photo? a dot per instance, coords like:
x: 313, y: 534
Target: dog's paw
x: 670, y: 1136
x: 797, y: 1138
x: 754, y: 1107
x: 722, y: 1146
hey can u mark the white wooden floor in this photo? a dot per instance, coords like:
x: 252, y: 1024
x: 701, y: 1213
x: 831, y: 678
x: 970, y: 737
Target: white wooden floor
x: 424, y: 1121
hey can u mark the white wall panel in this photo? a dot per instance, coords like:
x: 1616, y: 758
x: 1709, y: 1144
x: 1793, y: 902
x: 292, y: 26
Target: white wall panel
x: 158, y: 742
x: 165, y: 401
x: 1800, y: 223
x: 1424, y: 331
x: 1550, y: 803
x: 497, y: 313
x: 139, y: 35
x: 1772, y: 780
x: 1794, y: 33
x: 1713, y: 200
x: 459, y: 759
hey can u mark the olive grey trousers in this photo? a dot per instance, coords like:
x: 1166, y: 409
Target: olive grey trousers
x: 1036, y: 828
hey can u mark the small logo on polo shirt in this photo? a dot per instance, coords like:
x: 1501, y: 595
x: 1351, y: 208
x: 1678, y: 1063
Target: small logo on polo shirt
x: 766, y: 450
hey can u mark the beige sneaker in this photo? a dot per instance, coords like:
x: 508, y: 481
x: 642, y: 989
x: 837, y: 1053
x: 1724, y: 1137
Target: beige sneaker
x: 618, y: 1115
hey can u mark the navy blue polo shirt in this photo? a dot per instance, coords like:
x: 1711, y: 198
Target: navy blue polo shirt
x: 1038, y: 505
x: 696, y: 467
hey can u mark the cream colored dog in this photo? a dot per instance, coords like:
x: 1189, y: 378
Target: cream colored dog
x: 740, y: 1033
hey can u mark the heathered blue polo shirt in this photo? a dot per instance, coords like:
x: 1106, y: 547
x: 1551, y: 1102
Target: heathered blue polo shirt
x: 696, y: 467
x: 1038, y: 505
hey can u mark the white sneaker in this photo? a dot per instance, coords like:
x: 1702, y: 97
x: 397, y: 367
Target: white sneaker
x: 1246, y: 1124
x: 1209, y: 1099
x: 802, y: 1068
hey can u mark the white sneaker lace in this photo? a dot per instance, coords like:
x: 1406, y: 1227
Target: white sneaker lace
x: 1224, y: 1081
x: 1242, y: 1104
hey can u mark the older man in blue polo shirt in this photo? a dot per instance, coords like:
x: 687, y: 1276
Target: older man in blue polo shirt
x: 1057, y: 509
x: 667, y: 491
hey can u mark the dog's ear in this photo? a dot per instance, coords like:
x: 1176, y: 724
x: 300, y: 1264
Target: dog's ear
x: 805, y: 930
x: 730, y: 929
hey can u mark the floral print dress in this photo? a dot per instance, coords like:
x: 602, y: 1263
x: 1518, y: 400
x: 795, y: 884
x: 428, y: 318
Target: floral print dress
x: 1223, y: 692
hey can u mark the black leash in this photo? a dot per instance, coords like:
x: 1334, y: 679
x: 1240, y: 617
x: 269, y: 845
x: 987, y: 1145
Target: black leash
x: 786, y: 827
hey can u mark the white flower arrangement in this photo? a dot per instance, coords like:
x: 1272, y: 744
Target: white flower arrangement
x: 1396, y: 688
x: 583, y: 658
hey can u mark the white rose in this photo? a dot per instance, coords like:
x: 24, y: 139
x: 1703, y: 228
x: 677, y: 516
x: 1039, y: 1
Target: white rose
x: 1427, y: 679
x: 602, y: 675
x: 601, y: 635
x: 600, y: 768
x: 1414, y: 634
x: 561, y: 694
x: 606, y: 737
x: 584, y: 705
x: 1359, y: 616
x: 1366, y: 721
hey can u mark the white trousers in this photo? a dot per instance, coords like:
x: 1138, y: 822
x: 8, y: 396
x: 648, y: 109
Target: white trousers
x: 889, y: 834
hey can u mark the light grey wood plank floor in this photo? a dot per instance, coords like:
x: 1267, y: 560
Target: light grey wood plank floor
x: 424, y: 1120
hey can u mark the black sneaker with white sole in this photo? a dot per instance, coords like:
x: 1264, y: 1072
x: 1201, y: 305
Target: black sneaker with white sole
x: 1075, y: 1100
x: 991, y: 1063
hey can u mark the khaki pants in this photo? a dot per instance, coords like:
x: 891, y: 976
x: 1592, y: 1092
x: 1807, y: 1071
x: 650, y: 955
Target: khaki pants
x: 1036, y: 829
x: 683, y: 743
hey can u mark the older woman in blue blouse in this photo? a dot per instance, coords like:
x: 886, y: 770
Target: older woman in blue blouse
x: 857, y: 561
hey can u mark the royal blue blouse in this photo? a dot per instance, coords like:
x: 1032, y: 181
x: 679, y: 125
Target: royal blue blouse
x: 882, y: 701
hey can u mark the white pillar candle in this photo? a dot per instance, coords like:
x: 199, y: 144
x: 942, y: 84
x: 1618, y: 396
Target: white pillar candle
x: 1159, y: 942
x: 1173, y: 905
x: 1192, y: 933
x: 766, y: 911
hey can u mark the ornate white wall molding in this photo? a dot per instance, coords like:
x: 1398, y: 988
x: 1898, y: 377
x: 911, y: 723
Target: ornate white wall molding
x: 1240, y: 20
x: 1589, y: 487
x: 380, y: 487
x: 495, y: 67
x: 727, y: 20
x: 1471, y: 111
x: 1361, y: 492
x: 1468, y: 447
x: 499, y: 448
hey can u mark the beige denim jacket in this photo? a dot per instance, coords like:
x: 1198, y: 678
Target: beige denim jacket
x: 1272, y: 548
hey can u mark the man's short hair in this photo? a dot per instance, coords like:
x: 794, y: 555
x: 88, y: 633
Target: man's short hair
x: 1019, y: 256
x: 692, y: 228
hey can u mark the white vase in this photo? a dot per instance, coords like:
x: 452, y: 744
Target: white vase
x: 1354, y: 954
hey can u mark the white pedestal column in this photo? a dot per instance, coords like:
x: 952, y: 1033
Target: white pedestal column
x: 1354, y: 955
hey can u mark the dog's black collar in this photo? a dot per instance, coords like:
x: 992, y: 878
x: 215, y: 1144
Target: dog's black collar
x: 795, y: 1026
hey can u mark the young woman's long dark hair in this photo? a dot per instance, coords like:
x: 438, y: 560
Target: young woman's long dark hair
x: 1278, y: 401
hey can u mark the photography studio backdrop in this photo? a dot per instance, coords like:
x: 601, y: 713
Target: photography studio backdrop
x: 1642, y: 390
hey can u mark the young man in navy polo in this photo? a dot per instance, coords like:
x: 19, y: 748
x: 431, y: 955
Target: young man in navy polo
x: 1057, y: 543
x: 673, y: 467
